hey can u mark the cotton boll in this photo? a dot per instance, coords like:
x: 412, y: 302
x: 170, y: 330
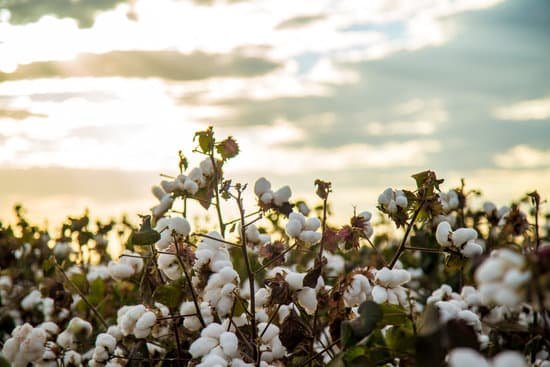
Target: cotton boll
x: 202, y: 346
x: 399, y: 276
x: 282, y: 195
x: 489, y: 271
x: 158, y: 192
x: 267, y: 197
x: 115, y: 332
x: 146, y: 321
x: 310, y: 237
x: 515, y: 278
x: 267, y: 332
x: 252, y: 233
x: 261, y: 186
x: 66, y: 340
x: 141, y: 333
x: 295, y: 280
x: 489, y: 207
x: 365, y: 215
x: 213, y: 331
x: 72, y: 358
x: 229, y: 343
x: 401, y: 201
x: 442, y: 234
x: 471, y: 249
x: 463, y: 235
x: 228, y: 289
x: 462, y: 357
x: 180, y: 225
x: 167, y: 186
x: 31, y: 300
x: 293, y: 228
x: 385, y: 197
x: 164, y: 205
x: 207, y: 167
x: 307, y: 297
x: 379, y: 294
x: 470, y: 318
x: 50, y: 328
x: 78, y: 326
x: 506, y: 297
x: 190, y: 186
x: 509, y: 359
x: 392, y: 207
x: 262, y: 297
x: 120, y: 271
x: 107, y: 341
x: 312, y: 224
x: 384, y: 276
x: 213, y: 360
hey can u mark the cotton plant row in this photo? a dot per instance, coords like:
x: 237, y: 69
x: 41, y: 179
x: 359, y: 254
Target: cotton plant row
x: 282, y: 284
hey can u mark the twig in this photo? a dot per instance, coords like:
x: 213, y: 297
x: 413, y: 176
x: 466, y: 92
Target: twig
x: 409, y: 227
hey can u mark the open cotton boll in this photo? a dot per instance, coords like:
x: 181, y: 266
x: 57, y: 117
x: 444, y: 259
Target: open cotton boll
x: 386, y: 196
x: 282, y: 195
x: 72, y: 358
x: 107, y: 341
x: 190, y: 186
x: 146, y: 321
x: 164, y: 205
x: 120, y: 271
x: 31, y: 300
x: 213, y: 360
x: 307, y: 298
x: 192, y: 322
x: 356, y: 293
x: 158, y: 192
x: 379, y: 294
x: 202, y: 346
x: 229, y: 343
x: 442, y: 234
x: 489, y: 207
x: 293, y: 228
x: 471, y: 249
x: 180, y: 225
x: 207, y: 167
x: 77, y: 326
x: 167, y: 186
x: 252, y: 233
x: 310, y: 237
x: 463, y: 235
x: 462, y: 357
x: 312, y: 224
x: 267, y: 331
x: 267, y: 197
x: 400, y: 199
x: 261, y: 186
x: 509, y: 359
x: 295, y: 280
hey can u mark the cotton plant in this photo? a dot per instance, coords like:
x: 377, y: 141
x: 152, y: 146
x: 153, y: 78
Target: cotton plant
x: 219, y: 290
x: 271, y: 347
x: 216, y: 346
x: 254, y: 237
x: 502, y: 278
x: 391, y: 200
x: 266, y: 196
x: 462, y: 239
x: 76, y: 329
x: 212, y: 253
x: 358, y: 291
x: 190, y: 183
x: 191, y: 321
x: 305, y: 230
x: 449, y: 200
x: 26, y: 345
x: 388, y: 286
x: 171, y: 229
x: 136, y: 320
x: 129, y: 264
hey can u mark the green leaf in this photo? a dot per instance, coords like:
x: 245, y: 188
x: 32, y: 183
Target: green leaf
x: 97, y: 291
x: 80, y: 281
x: 206, y: 139
x: 355, y: 330
x: 240, y: 307
x: 400, y: 338
x: 455, y: 262
x: 168, y: 295
x: 392, y: 315
x: 49, y: 266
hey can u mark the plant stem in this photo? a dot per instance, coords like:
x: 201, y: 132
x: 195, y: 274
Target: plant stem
x: 250, y: 274
x: 217, y: 192
x: 407, y: 232
x: 282, y: 254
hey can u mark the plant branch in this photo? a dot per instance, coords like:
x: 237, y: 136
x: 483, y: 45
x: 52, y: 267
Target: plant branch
x: 407, y: 232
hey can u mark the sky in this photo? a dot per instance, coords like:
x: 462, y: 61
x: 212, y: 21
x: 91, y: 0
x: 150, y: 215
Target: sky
x: 98, y: 96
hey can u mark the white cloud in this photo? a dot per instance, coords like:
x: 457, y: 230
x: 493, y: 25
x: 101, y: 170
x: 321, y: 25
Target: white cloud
x: 534, y: 109
x: 523, y: 156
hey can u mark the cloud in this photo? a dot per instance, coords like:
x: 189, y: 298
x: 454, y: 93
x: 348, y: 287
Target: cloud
x: 535, y: 109
x: 170, y: 65
x: 299, y: 21
x: 523, y: 156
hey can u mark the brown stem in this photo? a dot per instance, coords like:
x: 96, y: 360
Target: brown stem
x: 407, y: 232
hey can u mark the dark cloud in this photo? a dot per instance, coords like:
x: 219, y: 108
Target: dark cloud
x: 301, y: 21
x: 83, y: 11
x: 169, y: 65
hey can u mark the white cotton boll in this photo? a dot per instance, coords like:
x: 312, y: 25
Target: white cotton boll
x: 295, y: 280
x: 401, y: 294
x: 135, y: 312
x: 195, y: 174
x: 237, y: 362
x: 308, y: 236
x: 79, y: 326
x: 489, y: 271
x: 267, y: 332
x: 65, y: 340
x: 228, y: 274
x: 379, y: 294
x: 31, y: 300
x: 282, y: 195
x: 264, y: 238
x: 115, y: 332
x: 366, y: 215
x: 385, y: 197
x: 392, y: 207
x: 202, y: 346
x: 72, y: 358
x: 462, y: 357
x: 227, y: 289
x: 164, y: 242
x: 463, y: 235
x: 312, y: 224
x: 261, y: 315
x: 399, y: 277
x: 158, y: 192
x: 392, y: 297
x: 180, y: 225
x: 212, y: 360
x: 442, y: 234
x: 401, y: 201
x: 224, y: 306
x: 489, y: 207
x: 509, y: 359
x: 515, y: 278
x: 229, y: 343
x: 207, y: 167
x: 167, y: 186
x: 506, y: 296
x: 384, y: 277
x: 147, y: 320
x: 511, y: 257
x: 471, y: 249
x: 261, y: 186
x: 470, y: 318
x: 141, y: 333
x: 173, y: 272
x: 50, y: 328
x: 120, y: 271
x: 293, y: 228
x: 190, y: 186
x: 307, y: 298
x: 267, y: 197
x: 297, y: 217
x: 262, y: 297
x: 107, y: 341
x: 164, y: 205
x: 217, y: 265
x: 213, y: 331
x: 252, y: 233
